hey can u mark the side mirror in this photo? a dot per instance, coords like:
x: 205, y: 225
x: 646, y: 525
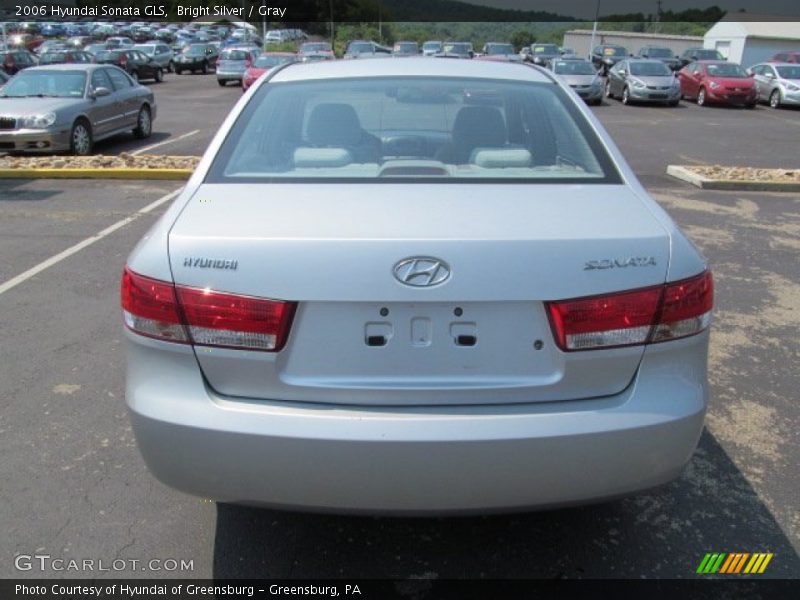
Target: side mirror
x: 101, y: 91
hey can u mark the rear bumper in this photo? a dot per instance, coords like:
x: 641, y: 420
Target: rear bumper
x: 415, y: 460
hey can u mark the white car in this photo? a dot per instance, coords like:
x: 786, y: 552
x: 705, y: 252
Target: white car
x: 415, y: 286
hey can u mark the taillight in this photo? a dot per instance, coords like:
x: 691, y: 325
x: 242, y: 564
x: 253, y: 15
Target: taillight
x: 150, y: 308
x: 123, y: 60
x: 654, y: 314
x: 204, y: 317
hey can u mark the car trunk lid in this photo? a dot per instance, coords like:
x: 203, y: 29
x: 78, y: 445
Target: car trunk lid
x: 361, y: 336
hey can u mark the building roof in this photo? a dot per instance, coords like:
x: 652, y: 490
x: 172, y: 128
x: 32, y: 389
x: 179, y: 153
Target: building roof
x: 774, y: 27
x: 636, y: 34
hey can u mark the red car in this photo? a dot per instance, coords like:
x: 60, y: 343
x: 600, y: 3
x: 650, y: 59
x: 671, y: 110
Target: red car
x: 717, y: 82
x: 264, y: 63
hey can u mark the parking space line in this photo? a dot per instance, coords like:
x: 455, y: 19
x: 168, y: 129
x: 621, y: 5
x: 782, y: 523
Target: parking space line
x: 165, y: 142
x: 22, y: 277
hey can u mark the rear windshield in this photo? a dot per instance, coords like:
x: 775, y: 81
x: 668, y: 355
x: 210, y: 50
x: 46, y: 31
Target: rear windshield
x: 407, y: 47
x: 650, y: 69
x: 726, y: 70
x: 573, y: 67
x: 457, y: 48
x: 52, y: 57
x: 660, y: 52
x: 412, y: 129
x: 708, y: 55
x: 194, y: 50
x: 107, y: 55
x: 493, y: 49
x: 545, y: 49
x: 268, y: 61
x: 235, y: 55
x: 315, y: 47
x: 614, y: 51
x: 360, y: 47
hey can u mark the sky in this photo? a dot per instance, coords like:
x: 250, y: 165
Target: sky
x: 585, y: 9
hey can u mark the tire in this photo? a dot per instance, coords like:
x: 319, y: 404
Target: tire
x: 775, y: 99
x: 221, y: 82
x: 751, y: 106
x: 205, y: 68
x: 609, y: 94
x: 171, y: 67
x: 626, y: 96
x: 178, y: 71
x: 701, y: 97
x: 144, y: 123
x: 135, y: 76
x: 159, y: 75
x: 673, y: 103
x: 80, y: 138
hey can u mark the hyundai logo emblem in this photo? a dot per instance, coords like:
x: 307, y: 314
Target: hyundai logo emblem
x: 421, y: 271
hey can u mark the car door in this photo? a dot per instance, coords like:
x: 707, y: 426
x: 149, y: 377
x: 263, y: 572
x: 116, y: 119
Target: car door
x: 126, y: 95
x: 105, y: 112
x: 770, y: 80
x: 758, y: 73
x: 617, y: 76
x: 688, y: 79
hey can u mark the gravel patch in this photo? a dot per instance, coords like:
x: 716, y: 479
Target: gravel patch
x: 722, y: 173
x: 122, y: 161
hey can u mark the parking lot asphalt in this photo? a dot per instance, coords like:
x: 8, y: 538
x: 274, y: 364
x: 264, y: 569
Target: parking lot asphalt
x: 74, y: 485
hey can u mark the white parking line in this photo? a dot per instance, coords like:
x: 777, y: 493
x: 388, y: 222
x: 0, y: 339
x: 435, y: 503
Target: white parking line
x: 15, y: 281
x: 165, y: 142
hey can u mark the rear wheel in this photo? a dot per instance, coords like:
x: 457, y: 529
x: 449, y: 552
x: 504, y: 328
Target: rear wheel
x: 80, y: 138
x: 205, y: 68
x: 144, y: 123
x: 135, y: 75
x: 179, y: 71
x: 674, y: 102
x: 626, y: 95
x: 171, y: 67
x: 609, y: 93
x: 159, y: 75
x: 701, y: 97
x: 221, y: 82
x: 775, y: 99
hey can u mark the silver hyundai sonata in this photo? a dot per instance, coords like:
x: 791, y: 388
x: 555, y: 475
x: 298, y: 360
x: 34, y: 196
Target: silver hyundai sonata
x: 417, y: 286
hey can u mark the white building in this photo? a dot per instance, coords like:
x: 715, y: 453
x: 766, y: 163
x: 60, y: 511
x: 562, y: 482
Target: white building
x: 748, y: 39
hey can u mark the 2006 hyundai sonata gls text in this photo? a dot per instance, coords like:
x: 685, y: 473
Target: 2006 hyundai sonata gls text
x: 416, y: 286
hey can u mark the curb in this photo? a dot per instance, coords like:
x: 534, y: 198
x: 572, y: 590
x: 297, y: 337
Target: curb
x: 705, y: 183
x: 101, y: 173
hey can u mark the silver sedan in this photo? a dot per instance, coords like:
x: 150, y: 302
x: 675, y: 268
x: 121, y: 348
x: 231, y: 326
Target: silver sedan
x: 643, y: 80
x: 415, y: 286
x: 68, y: 107
x: 777, y: 83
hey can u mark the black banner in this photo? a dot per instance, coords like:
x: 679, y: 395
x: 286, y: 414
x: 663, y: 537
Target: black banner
x: 373, y: 11
x: 411, y: 589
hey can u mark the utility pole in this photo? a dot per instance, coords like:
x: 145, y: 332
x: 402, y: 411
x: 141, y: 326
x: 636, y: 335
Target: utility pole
x: 594, y: 29
x: 330, y: 6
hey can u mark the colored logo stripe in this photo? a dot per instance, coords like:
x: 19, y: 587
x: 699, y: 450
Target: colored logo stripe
x: 733, y: 563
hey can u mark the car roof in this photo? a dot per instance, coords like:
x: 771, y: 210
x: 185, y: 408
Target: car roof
x: 69, y: 67
x: 413, y: 66
x: 640, y: 61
